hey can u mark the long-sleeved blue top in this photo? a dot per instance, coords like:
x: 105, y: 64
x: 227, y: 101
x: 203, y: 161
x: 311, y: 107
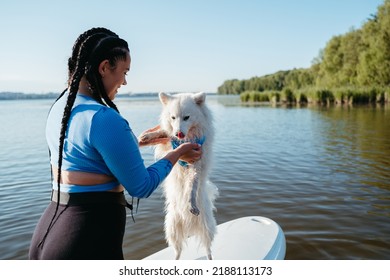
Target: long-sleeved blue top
x: 99, y: 140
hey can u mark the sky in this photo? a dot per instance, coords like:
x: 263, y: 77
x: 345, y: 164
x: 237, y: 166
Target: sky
x: 175, y: 45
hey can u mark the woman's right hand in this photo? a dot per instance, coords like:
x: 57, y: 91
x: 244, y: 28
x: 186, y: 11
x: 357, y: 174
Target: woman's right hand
x: 188, y: 152
x: 191, y: 152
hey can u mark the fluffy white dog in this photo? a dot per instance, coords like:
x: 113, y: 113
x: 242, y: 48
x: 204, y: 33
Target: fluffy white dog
x: 189, y: 195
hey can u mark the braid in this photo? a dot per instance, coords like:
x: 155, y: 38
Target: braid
x: 82, y: 59
x: 76, y: 47
x: 109, y: 102
x: 99, y: 92
x: 79, y: 70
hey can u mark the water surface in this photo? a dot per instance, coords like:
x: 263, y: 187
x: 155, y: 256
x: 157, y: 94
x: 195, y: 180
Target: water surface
x: 322, y: 173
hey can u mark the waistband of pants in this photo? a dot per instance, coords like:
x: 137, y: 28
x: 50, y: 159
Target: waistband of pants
x: 73, y: 199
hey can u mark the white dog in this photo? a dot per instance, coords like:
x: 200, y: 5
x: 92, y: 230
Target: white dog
x: 189, y: 195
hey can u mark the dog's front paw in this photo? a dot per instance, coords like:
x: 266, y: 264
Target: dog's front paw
x: 143, y: 138
x: 195, y: 211
x: 153, y: 138
x: 146, y: 137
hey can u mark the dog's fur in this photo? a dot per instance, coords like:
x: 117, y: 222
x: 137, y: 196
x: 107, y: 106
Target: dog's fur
x: 189, y: 195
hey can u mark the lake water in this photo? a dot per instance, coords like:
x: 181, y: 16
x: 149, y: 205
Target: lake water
x: 323, y: 174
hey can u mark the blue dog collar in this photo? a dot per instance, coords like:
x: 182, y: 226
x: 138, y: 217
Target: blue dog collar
x: 176, y: 143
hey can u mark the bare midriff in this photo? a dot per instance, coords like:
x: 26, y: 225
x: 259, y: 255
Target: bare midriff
x: 85, y: 179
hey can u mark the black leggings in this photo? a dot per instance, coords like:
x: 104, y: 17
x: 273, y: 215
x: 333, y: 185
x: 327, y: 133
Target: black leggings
x: 89, y: 231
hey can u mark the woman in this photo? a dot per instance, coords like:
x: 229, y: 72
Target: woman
x: 94, y: 157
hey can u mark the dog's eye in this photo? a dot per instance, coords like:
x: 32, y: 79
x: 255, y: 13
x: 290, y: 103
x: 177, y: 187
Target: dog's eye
x: 186, y: 118
x: 173, y: 117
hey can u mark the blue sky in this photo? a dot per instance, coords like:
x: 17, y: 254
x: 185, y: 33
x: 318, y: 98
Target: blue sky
x: 176, y: 46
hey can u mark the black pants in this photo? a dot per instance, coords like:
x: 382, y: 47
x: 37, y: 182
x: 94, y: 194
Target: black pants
x: 88, y: 231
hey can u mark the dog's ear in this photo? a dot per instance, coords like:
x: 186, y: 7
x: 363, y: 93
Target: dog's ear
x: 164, y: 97
x: 199, y: 98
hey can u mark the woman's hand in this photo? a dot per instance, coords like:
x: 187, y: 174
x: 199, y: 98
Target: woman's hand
x: 188, y: 152
x: 191, y: 152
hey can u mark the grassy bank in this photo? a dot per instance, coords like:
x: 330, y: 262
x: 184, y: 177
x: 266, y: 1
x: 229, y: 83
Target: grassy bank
x: 319, y: 96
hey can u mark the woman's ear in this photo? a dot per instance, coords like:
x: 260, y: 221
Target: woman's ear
x: 104, y: 67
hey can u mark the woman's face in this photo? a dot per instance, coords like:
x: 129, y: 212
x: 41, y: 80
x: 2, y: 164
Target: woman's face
x: 114, y: 77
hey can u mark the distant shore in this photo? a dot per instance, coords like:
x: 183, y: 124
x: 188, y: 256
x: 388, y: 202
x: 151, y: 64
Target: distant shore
x: 7, y: 95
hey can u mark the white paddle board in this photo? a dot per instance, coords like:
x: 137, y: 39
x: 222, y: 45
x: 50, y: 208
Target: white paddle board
x: 247, y: 238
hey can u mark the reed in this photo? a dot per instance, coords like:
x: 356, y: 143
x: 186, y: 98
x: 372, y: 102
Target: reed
x: 300, y: 96
x: 324, y: 96
x: 254, y: 96
x: 287, y: 96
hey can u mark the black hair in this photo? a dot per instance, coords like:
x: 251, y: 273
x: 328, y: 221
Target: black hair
x: 111, y: 49
x: 76, y: 48
x: 92, y: 51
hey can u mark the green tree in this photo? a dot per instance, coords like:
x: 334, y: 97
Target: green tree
x: 331, y: 64
x: 351, y: 47
x: 374, y: 61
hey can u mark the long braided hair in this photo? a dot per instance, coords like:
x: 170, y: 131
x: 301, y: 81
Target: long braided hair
x: 76, y: 48
x: 92, y: 51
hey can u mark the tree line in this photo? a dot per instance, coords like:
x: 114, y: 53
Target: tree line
x: 358, y: 61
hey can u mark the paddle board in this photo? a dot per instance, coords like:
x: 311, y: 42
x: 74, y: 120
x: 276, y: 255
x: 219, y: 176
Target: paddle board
x: 246, y: 238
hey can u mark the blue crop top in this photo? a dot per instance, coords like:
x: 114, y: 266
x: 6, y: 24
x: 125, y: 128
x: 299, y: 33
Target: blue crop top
x: 99, y: 140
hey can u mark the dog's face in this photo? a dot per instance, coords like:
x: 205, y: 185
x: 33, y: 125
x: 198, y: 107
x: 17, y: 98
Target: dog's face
x: 182, y: 114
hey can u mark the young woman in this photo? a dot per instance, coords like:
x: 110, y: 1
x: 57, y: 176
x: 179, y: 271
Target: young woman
x: 95, y: 157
